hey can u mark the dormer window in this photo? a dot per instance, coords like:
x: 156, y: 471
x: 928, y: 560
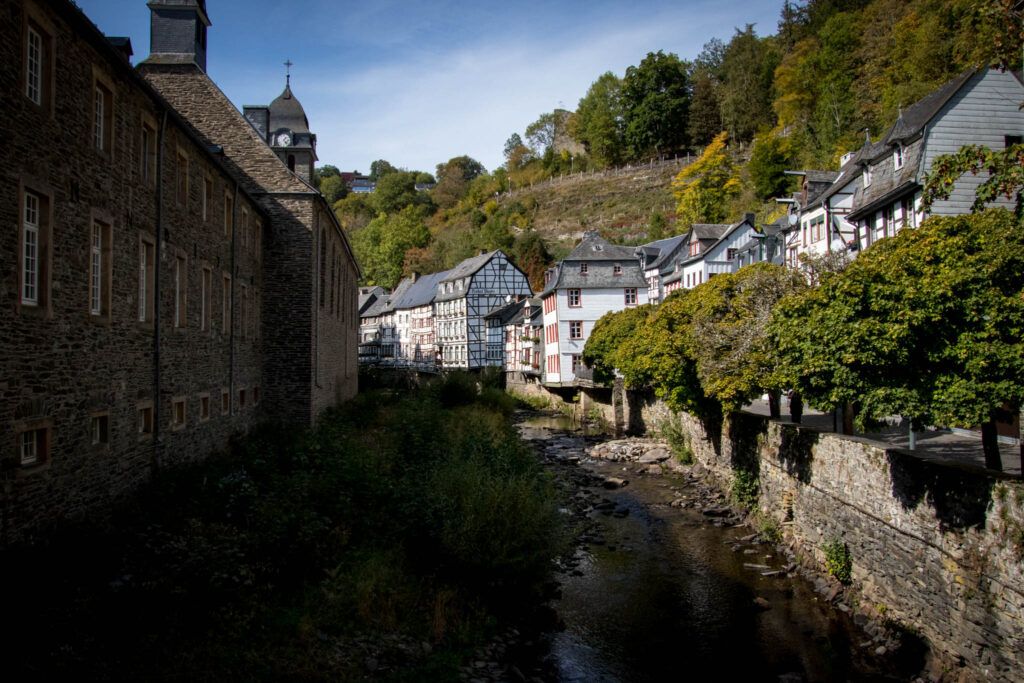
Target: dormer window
x: 867, y: 175
x: 617, y: 269
x: 897, y: 156
x: 694, y: 248
x: 583, y: 268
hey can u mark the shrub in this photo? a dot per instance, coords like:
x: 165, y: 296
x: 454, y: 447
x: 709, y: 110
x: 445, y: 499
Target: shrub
x: 745, y: 488
x: 672, y: 433
x: 838, y: 562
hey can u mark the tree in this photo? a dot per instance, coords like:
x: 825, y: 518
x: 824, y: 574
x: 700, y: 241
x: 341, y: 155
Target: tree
x: 513, y: 143
x: 397, y: 190
x: 748, y: 66
x: 656, y: 104
x: 325, y: 171
x: 598, y: 122
x: 532, y: 256
x: 771, y: 158
x: 736, y: 360
x: 541, y: 133
x: 656, y: 227
x: 355, y: 211
x: 704, y: 187
x: 380, y: 168
x: 705, y: 121
x: 927, y: 324
x: 382, y: 245
x: 606, y: 340
x: 453, y: 178
x: 333, y: 188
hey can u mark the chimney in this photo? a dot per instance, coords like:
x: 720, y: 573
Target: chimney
x: 415, y: 276
x: 177, y: 32
x: 749, y: 218
x: 482, y: 252
x: 122, y: 45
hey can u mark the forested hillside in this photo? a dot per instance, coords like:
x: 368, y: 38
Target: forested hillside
x: 749, y: 106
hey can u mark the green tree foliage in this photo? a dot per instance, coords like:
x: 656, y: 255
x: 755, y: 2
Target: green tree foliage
x: 656, y: 104
x: 397, y: 190
x: 333, y: 188
x: 453, y: 178
x: 736, y: 359
x: 928, y: 324
x: 531, y: 255
x: 325, y: 171
x: 607, y: 339
x: 704, y: 187
x: 771, y: 158
x: 598, y: 122
x: 748, y: 66
x: 541, y: 133
x: 380, y: 168
x: 381, y: 246
x: 1005, y: 169
x: 355, y: 211
x: 705, y: 119
x: 656, y: 227
x: 513, y: 143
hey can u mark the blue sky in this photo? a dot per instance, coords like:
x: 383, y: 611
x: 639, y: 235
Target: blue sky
x: 417, y: 83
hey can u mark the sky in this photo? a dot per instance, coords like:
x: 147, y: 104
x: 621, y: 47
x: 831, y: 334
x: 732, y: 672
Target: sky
x: 417, y: 83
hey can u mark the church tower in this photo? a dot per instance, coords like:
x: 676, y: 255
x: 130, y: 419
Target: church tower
x: 283, y: 125
x: 177, y: 32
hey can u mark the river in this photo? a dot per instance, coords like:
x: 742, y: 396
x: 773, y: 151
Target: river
x: 657, y: 591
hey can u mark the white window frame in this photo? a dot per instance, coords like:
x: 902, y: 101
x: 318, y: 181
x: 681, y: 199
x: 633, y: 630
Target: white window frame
x: 96, y: 270
x: 34, y: 66
x: 897, y: 156
x: 31, y: 256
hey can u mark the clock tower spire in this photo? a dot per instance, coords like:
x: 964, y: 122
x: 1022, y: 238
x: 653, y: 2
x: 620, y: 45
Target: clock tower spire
x: 284, y: 126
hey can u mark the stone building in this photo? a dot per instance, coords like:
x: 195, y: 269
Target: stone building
x: 163, y: 289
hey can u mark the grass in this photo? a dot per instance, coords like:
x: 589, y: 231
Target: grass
x: 417, y: 513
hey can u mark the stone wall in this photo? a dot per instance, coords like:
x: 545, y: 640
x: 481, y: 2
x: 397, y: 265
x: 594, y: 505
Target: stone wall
x: 938, y: 547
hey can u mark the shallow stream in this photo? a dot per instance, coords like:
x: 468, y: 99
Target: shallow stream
x: 658, y: 592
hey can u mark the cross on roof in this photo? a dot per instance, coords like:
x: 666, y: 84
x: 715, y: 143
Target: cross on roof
x: 288, y: 71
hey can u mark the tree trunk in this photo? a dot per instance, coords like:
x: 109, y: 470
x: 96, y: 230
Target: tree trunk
x: 990, y: 443
x: 796, y: 407
x: 774, y: 409
x: 848, y: 418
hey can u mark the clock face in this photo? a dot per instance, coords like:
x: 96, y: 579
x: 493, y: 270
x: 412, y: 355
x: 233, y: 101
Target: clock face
x: 284, y: 139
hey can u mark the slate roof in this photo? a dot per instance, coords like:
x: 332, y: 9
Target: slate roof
x: 287, y: 112
x: 367, y: 296
x: 386, y: 303
x: 505, y: 313
x: 660, y: 251
x: 812, y: 176
x: 911, y: 122
x: 421, y: 292
x: 468, y: 266
x: 709, y: 231
x: 593, y: 247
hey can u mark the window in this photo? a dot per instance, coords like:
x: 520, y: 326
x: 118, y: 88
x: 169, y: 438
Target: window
x: 730, y: 254
x: 147, y: 275
x: 225, y: 402
x: 204, y: 407
x: 178, y: 413
x: 181, y: 178
x: 907, y: 211
x: 897, y: 156
x: 255, y: 396
x: 694, y: 248
x: 147, y: 151
x: 245, y: 228
x: 206, y: 299
x: 225, y: 309
x: 577, y: 363
x: 144, y: 420
x: 241, y: 398
x: 34, y: 66
x: 630, y: 293
x: 103, y: 115
x: 617, y: 269
x: 180, y: 290
x: 34, y: 446
x: 867, y: 175
x: 207, y: 198
x: 229, y: 215
x: 583, y: 269
x: 99, y: 429
x: 574, y: 298
x: 575, y: 329
x: 38, y: 62
x: 100, y: 269
x: 30, y: 250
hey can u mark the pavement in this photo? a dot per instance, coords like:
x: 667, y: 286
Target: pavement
x: 933, y: 443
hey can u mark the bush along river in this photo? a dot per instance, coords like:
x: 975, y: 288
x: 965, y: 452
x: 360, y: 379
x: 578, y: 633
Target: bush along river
x: 666, y: 581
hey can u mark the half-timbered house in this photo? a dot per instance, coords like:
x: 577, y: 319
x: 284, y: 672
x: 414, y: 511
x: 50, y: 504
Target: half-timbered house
x: 464, y: 296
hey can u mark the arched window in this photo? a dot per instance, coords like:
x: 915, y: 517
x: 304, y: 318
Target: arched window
x: 291, y: 163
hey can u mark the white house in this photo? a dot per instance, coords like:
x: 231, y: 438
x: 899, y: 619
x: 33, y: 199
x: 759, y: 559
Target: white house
x: 595, y: 278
